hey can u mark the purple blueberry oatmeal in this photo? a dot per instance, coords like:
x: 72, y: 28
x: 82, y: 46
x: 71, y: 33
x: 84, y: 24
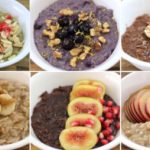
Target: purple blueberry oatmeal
x: 75, y: 35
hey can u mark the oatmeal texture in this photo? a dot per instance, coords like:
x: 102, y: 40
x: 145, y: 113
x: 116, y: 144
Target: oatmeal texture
x: 62, y: 58
x: 137, y: 132
x: 136, y: 41
x: 15, y: 126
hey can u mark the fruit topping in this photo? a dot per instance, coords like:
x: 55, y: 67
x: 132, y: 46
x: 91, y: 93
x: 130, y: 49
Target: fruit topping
x: 78, y: 138
x: 86, y: 120
x: 85, y: 105
x: 136, y: 107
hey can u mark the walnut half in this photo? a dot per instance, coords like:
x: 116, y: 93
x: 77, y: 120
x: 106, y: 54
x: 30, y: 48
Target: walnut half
x: 147, y: 31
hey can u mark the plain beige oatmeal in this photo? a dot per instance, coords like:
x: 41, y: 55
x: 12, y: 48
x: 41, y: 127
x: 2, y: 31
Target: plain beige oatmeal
x: 14, y: 111
x: 137, y: 132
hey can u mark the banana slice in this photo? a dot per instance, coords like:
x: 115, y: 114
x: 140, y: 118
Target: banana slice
x: 78, y: 138
x: 7, y: 109
x: 6, y: 99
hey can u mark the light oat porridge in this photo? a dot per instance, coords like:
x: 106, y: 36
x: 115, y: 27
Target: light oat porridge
x: 14, y: 111
x: 136, y: 117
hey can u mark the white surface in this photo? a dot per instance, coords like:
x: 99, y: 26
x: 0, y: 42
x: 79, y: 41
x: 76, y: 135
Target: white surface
x: 19, y: 11
x: 38, y: 5
x: 131, y: 9
x: 22, y: 77
x: 130, y: 84
x: 46, y: 81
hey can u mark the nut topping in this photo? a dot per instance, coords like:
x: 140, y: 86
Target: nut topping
x: 73, y: 62
x: 54, y: 42
x: 147, y: 31
x: 92, y: 32
x: 66, y: 12
x: 57, y: 54
x: 102, y: 39
x: 75, y: 51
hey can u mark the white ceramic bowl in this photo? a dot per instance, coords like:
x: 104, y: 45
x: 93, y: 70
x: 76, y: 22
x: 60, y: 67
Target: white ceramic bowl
x: 48, y: 81
x: 130, y: 84
x: 37, y: 6
x: 22, y: 14
x: 130, y: 10
x: 22, y: 77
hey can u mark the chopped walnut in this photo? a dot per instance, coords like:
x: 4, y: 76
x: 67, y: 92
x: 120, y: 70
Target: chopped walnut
x: 83, y: 56
x: 106, y: 25
x: 87, y: 49
x: 102, y: 39
x: 49, y: 33
x: 66, y: 12
x: 147, y: 31
x: 48, y: 22
x: 75, y: 51
x: 106, y: 30
x: 54, y: 28
x: 97, y: 46
x: 92, y: 32
x: 57, y: 54
x: 73, y: 62
x: 54, y: 42
x: 83, y: 16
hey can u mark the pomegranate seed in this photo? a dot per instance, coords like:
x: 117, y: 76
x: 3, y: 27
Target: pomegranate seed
x: 101, y: 119
x: 110, y: 137
x: 107, y: 123
x: 109, y: 115
x: 109, y: 129
x: 118, y: 125
x: 75, y: 123
x: 104, y: 142
x: 106, y: 109
x: 91, y: 112
x: 101, y: 135
x: 109, y: 103
x: 102, y: 101
x: 106, y: 133
x: 115, y: 110
x: 9, y: 17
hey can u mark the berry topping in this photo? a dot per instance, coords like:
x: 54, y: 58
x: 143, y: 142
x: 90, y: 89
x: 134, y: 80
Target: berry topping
x: 79, y: 38
x: 67, y: 44
x: 63, y: 21
x: 72, y: 29
x: 61, y: 34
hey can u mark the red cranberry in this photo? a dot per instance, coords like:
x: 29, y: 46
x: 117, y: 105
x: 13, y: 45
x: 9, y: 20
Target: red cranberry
x: 104, y: 142
x: 107, y: 123
x: 109, y: 103
x: 110, y: 138
x: 109, y: 115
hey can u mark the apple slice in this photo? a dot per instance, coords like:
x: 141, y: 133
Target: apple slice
x: 136, y: 106
x: 142, y: 102
x: 147, y: 105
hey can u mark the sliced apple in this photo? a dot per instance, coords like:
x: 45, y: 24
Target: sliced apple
x: 147, y: 105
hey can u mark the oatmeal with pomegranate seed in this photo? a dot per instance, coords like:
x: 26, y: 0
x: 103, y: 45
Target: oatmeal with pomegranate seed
x: 66, y: 112
x: 75, y: 35
x: 11, y: 37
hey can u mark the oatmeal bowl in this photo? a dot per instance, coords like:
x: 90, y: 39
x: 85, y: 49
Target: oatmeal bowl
x: 135, y: 32
x: 136, y: 110
x: 77, y: 111
x: 14, y: 32
x: 14, y: 110
x: 75, y: 35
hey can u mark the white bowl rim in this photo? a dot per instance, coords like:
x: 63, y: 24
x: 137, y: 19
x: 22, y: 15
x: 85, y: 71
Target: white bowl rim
x: 41, y: 145
x: 24, y: 49
x: 42, y: 63
x: 125, y: 140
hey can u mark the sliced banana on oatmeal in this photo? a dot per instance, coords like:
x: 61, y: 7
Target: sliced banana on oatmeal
x: 6, y: 99
x: 7, y: 109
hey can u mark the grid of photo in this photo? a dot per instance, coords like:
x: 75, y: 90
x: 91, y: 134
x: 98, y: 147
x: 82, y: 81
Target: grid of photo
x: 74, y: 75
